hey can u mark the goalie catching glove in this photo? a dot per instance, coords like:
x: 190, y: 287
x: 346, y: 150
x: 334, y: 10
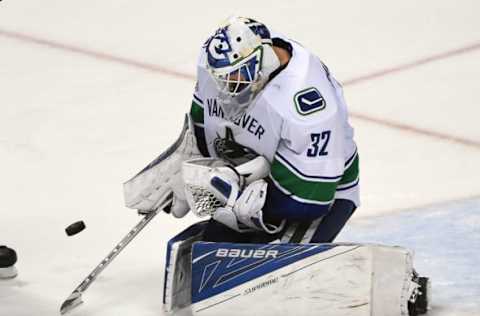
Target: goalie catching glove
x: 232, y: 196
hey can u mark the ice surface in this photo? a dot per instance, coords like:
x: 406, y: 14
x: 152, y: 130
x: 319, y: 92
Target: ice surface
x: 446, y: 240
x: 74, y: 125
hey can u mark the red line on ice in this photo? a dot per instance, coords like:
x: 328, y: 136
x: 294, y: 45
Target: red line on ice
x: 94, y: 54
x: 417, y: 130
x: 412, y: 64
x: 349, y: 82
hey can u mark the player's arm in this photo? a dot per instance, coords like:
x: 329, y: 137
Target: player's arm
x: 293, y: 198
x: 306, y: 173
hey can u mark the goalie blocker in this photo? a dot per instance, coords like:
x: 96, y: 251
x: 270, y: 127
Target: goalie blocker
x: 285, y: 279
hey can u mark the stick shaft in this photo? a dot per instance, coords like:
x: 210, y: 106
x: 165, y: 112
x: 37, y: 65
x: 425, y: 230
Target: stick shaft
x: 83, y: 286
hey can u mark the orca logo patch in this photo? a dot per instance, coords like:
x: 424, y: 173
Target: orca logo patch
x: 309, y: 101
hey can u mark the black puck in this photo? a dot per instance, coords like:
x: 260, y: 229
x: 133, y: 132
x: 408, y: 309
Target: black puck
x: 8, y: 257
x: 75, y: 228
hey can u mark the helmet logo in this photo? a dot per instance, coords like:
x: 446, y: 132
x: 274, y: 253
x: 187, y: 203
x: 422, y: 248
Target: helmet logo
x: 218, y: 47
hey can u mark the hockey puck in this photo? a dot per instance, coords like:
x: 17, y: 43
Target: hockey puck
x: 8, y: 258
x: 75, y: 228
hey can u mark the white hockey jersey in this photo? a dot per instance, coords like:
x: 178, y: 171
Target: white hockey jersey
x: 298, y: 122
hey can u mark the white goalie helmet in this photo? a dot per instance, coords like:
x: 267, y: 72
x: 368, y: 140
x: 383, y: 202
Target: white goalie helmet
x: 240, y: 58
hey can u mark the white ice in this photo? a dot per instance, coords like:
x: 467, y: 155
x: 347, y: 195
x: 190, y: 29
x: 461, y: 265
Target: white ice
x: 73, y: 127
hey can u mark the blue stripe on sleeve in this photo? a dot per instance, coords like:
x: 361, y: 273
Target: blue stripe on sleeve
x: 278, y: 205
x: 201, y: 140
x: 198, y: 99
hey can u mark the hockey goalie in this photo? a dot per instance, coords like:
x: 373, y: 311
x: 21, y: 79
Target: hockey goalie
x: 267, y: 159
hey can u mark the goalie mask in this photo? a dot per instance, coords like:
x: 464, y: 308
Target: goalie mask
x: 240, y: 59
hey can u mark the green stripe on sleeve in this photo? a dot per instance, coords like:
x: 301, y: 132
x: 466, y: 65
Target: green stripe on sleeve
x: 196, y: 111
x: 351, y: 174
x: 309, y: 190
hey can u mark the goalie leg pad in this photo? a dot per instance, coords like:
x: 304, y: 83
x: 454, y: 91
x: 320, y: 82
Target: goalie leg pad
x: 177, y: 281
x: 300, y: 279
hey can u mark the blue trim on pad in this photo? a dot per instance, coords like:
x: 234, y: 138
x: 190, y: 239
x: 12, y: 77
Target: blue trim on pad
x: 219, y: 267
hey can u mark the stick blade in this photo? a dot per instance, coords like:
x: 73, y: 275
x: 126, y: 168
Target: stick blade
x: 71, y: 302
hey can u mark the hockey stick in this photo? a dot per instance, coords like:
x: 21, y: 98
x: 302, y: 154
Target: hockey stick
x: 75, y: 298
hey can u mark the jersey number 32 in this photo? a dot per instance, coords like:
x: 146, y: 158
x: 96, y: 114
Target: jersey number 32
x: 319, y: 144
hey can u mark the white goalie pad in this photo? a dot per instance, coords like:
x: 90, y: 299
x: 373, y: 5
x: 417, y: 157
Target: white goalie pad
x: 307, y: 279
x: 146, y: 190
x: 178, y: 275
